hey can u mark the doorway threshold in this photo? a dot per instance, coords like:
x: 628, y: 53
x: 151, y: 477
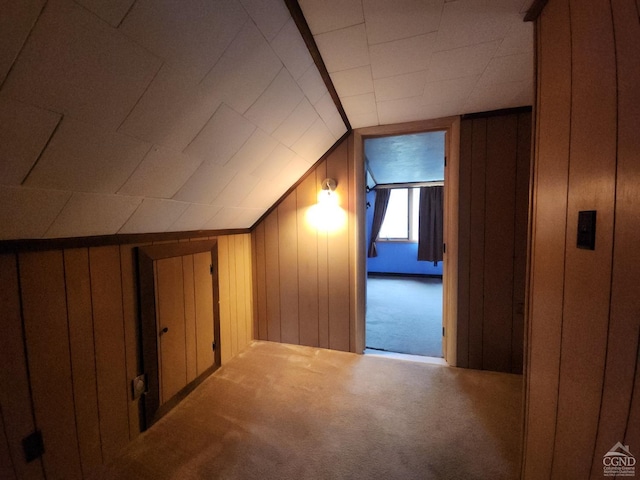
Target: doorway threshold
x: 405, y: 356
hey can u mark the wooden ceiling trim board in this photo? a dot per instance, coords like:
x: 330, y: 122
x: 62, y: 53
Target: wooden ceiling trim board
x: 535, y: 10
x: 42, y: 244
x: 305, y: 31
x: 494, y: 113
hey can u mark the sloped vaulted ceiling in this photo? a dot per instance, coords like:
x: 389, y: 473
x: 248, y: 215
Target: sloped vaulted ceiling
x: 139, y: 116
x: 131, y: 116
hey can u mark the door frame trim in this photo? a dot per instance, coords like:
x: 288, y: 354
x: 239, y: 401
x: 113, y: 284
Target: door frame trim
x: 146, y: 255
x: 451, y: 125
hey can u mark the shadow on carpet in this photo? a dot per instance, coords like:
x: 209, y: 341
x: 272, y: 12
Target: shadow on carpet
x: 404, y: 315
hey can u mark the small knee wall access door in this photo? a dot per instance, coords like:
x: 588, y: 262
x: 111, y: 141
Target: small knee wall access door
x: 179, y: 321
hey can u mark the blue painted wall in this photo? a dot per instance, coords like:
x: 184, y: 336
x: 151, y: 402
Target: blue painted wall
x: 396, y: 257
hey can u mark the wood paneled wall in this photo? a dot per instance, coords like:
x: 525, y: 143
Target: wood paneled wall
x: 493, y: 212
x: 69, y: 349
x: 582, y: 372
x: 303, y: 277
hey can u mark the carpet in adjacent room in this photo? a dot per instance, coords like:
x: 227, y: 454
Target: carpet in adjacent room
x: 404, y: 315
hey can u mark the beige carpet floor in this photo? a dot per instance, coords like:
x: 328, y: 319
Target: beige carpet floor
x: 288, y: 412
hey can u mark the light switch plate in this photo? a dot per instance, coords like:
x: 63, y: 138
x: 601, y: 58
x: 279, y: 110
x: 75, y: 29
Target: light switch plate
x: 587, y: 229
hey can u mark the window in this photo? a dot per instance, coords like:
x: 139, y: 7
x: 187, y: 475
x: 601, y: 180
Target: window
x: 401, y: 219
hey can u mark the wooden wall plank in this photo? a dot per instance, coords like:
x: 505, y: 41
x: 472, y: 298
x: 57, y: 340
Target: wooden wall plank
x: 549, y: 223
x: 248, y: 285
x: 477, y: 243
x: 133, y: 356
x: 260, y: 284
x: 170, y: 316
x: 233, y: 296
x: 288, y: 266
x: 83, y: 365
x: 225, y: 313
x: 108, y: 324
x: 587, y: 273
x: 204, y: 310
x: 624, y: 323
x: 464, y: 224
x: 632, y: 433
x: 307, y: 197
x: 15, y: 397
x: 241, y: 293
x: 190, y: 317
x: 338, y: 255
x: 6, y: 465
x: 46, y: 330
x: 272, y: 270
x: 323, y: 271
x: 500, y: 176
x: 520, y: 240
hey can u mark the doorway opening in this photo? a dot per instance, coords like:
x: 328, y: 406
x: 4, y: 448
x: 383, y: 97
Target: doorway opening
x: 405, y: 177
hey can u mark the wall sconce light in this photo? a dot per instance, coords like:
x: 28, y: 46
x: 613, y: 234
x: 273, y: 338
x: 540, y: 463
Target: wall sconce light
x: 327, y: 215
x: 327, y: 195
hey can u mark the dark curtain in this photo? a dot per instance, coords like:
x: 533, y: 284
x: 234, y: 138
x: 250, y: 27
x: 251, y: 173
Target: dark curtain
x: 430, y: 229
x: 379, y: 209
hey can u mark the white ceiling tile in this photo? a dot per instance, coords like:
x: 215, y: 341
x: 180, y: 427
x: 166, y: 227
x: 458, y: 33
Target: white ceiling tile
x: 402, y: 110
x: 442, y: 110
x: 364, y: 120
x: 265, y: 194
x: 84, y: 158
x: 293, y: 171
x: 494, y: 96
x: 269, y: 15
x: 512, y: 68
x: 24, y: 131
x: 469, y: 22
x: 154, y: 215
x: 191, y: 35
x: 402, y: 56
x: 222, y: 136
x: 269, y: 190
x: 359, y: 105
x: 171, y: 112
x: 330, y: 116
x: 448, y: 90
x: 233, y: 217
x: 388, y: 21
x: 205, y: 184
x: 344, y: 49
x: 27, y: 212
x: 253, y: 152
x: 518, y: 40
x: 236, y: 190
x: 194, y: 217
x: 302, y: 117
x: 327, y: 15
x: 312, y: 84
x: 291, y: 49
x: 160, y: 174
x: 245, y: 70
x: 87, y: 214
x: 274, y: 163
x: 112, y: 11
x: 16, y: 22
x: 400, y: 86
x: 461, y: 62
x: 76, y: 64
x: 314, y: 142
x: 355, y: 81
x: 276, y: 103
